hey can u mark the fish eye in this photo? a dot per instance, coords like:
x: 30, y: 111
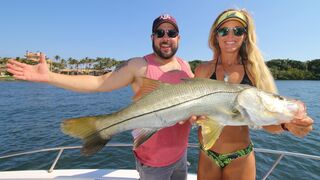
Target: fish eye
x: 278, y: 96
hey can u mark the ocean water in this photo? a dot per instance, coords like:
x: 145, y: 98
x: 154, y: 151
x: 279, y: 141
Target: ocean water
x: 31, y: 114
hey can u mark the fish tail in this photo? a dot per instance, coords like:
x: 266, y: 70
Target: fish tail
x: 85, y: 129
x: 93, y: 144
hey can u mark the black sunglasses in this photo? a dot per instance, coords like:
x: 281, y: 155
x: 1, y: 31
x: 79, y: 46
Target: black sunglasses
x: 171, y: 33
x: 237, y: 31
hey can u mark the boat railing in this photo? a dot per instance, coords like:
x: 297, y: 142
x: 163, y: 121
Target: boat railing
x: 280, y: 154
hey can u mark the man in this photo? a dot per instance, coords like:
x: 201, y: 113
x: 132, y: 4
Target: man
x: 163, y: 156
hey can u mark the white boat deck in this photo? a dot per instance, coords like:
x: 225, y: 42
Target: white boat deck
x: 111, y: 174
x: 79, y: 174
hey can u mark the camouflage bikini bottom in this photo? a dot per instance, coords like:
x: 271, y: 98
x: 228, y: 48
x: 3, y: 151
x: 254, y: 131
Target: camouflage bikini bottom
x: 222, y: 160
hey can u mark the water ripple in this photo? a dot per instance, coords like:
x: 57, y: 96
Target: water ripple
x: 31, y: 114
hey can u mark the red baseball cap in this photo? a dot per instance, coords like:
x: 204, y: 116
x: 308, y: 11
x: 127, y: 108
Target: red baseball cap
x: 164, y: 18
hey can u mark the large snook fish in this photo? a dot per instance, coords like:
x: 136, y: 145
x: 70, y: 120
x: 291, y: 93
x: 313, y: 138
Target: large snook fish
x: 159, y: 105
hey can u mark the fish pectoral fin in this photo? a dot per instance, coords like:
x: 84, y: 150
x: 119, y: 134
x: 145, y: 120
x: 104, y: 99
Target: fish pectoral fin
x: 142, y: 135
x: 227, y: 112
x: 236, y: 114
x: 210, y: 130
x: 85, y: 129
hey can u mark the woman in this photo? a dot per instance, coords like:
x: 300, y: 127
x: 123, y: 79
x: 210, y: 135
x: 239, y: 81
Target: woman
x: 237, y: 59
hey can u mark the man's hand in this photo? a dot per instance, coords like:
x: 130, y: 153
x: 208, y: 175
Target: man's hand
x: 37, y: 73
x: 193, y: 119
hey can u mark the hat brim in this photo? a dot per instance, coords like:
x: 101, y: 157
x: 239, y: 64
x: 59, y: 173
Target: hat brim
x: 232, y: 15
x: 166, y: 21
x: 233, y: 19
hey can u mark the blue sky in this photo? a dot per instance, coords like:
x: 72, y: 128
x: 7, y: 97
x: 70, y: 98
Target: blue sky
x: 121, y: 29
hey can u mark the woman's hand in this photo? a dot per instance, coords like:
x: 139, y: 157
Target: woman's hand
x: 300, y: 127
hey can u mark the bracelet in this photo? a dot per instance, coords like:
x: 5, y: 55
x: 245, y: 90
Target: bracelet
x: 284, y: 127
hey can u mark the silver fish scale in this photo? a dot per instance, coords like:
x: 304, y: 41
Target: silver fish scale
x: 172, y: 103
x: 226, y: 104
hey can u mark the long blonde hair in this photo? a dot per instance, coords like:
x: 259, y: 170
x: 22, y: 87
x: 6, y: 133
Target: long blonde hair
x: 249, y: 52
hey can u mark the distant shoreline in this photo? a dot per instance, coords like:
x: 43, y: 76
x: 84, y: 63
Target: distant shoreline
x: 7, y: 78
x: 10, y: 78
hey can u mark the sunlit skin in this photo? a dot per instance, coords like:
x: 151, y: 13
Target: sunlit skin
x: 230, y: 44
x: 234, y: 138
x: 130, y: 73
x: 165, y: 47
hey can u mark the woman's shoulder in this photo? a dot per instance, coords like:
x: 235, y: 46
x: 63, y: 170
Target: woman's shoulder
x: 204, y: 69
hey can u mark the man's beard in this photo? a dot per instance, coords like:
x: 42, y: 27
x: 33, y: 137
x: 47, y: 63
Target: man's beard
x: 164, y: 55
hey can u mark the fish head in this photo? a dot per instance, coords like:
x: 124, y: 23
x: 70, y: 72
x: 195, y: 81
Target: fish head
x: 264, y: 108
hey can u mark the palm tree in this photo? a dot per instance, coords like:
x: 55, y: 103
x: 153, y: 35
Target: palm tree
x: 57, y: 57
x: 70, y: 63
x: 73, y: 63
x: 82, y: 64
x: 63, y: 63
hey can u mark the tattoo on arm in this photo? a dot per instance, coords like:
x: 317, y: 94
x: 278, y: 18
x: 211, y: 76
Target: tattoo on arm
x: 121, y: 65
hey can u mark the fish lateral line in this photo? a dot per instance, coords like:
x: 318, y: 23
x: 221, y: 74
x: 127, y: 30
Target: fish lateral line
x: 158, y: 110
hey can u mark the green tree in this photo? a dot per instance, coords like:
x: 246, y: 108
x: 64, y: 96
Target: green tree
x: 57, y: 58
x: 63, y: 63
x: 73, y: 63
x: 314, y: 67
x: 193, y: 64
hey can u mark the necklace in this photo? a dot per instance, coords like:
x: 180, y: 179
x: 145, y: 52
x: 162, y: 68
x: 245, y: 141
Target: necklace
x: 225, y: 76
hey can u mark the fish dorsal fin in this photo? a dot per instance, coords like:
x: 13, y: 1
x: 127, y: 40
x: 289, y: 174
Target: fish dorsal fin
x: 187, y: 80
x: 148, y: 86
x: 210, y: 130
x: 202, y: 80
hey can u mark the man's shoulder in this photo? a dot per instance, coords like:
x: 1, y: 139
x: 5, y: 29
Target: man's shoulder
x: 138, y: 66
x: 132, y: 65
x: 185, y: 62
x: 137, y: 61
